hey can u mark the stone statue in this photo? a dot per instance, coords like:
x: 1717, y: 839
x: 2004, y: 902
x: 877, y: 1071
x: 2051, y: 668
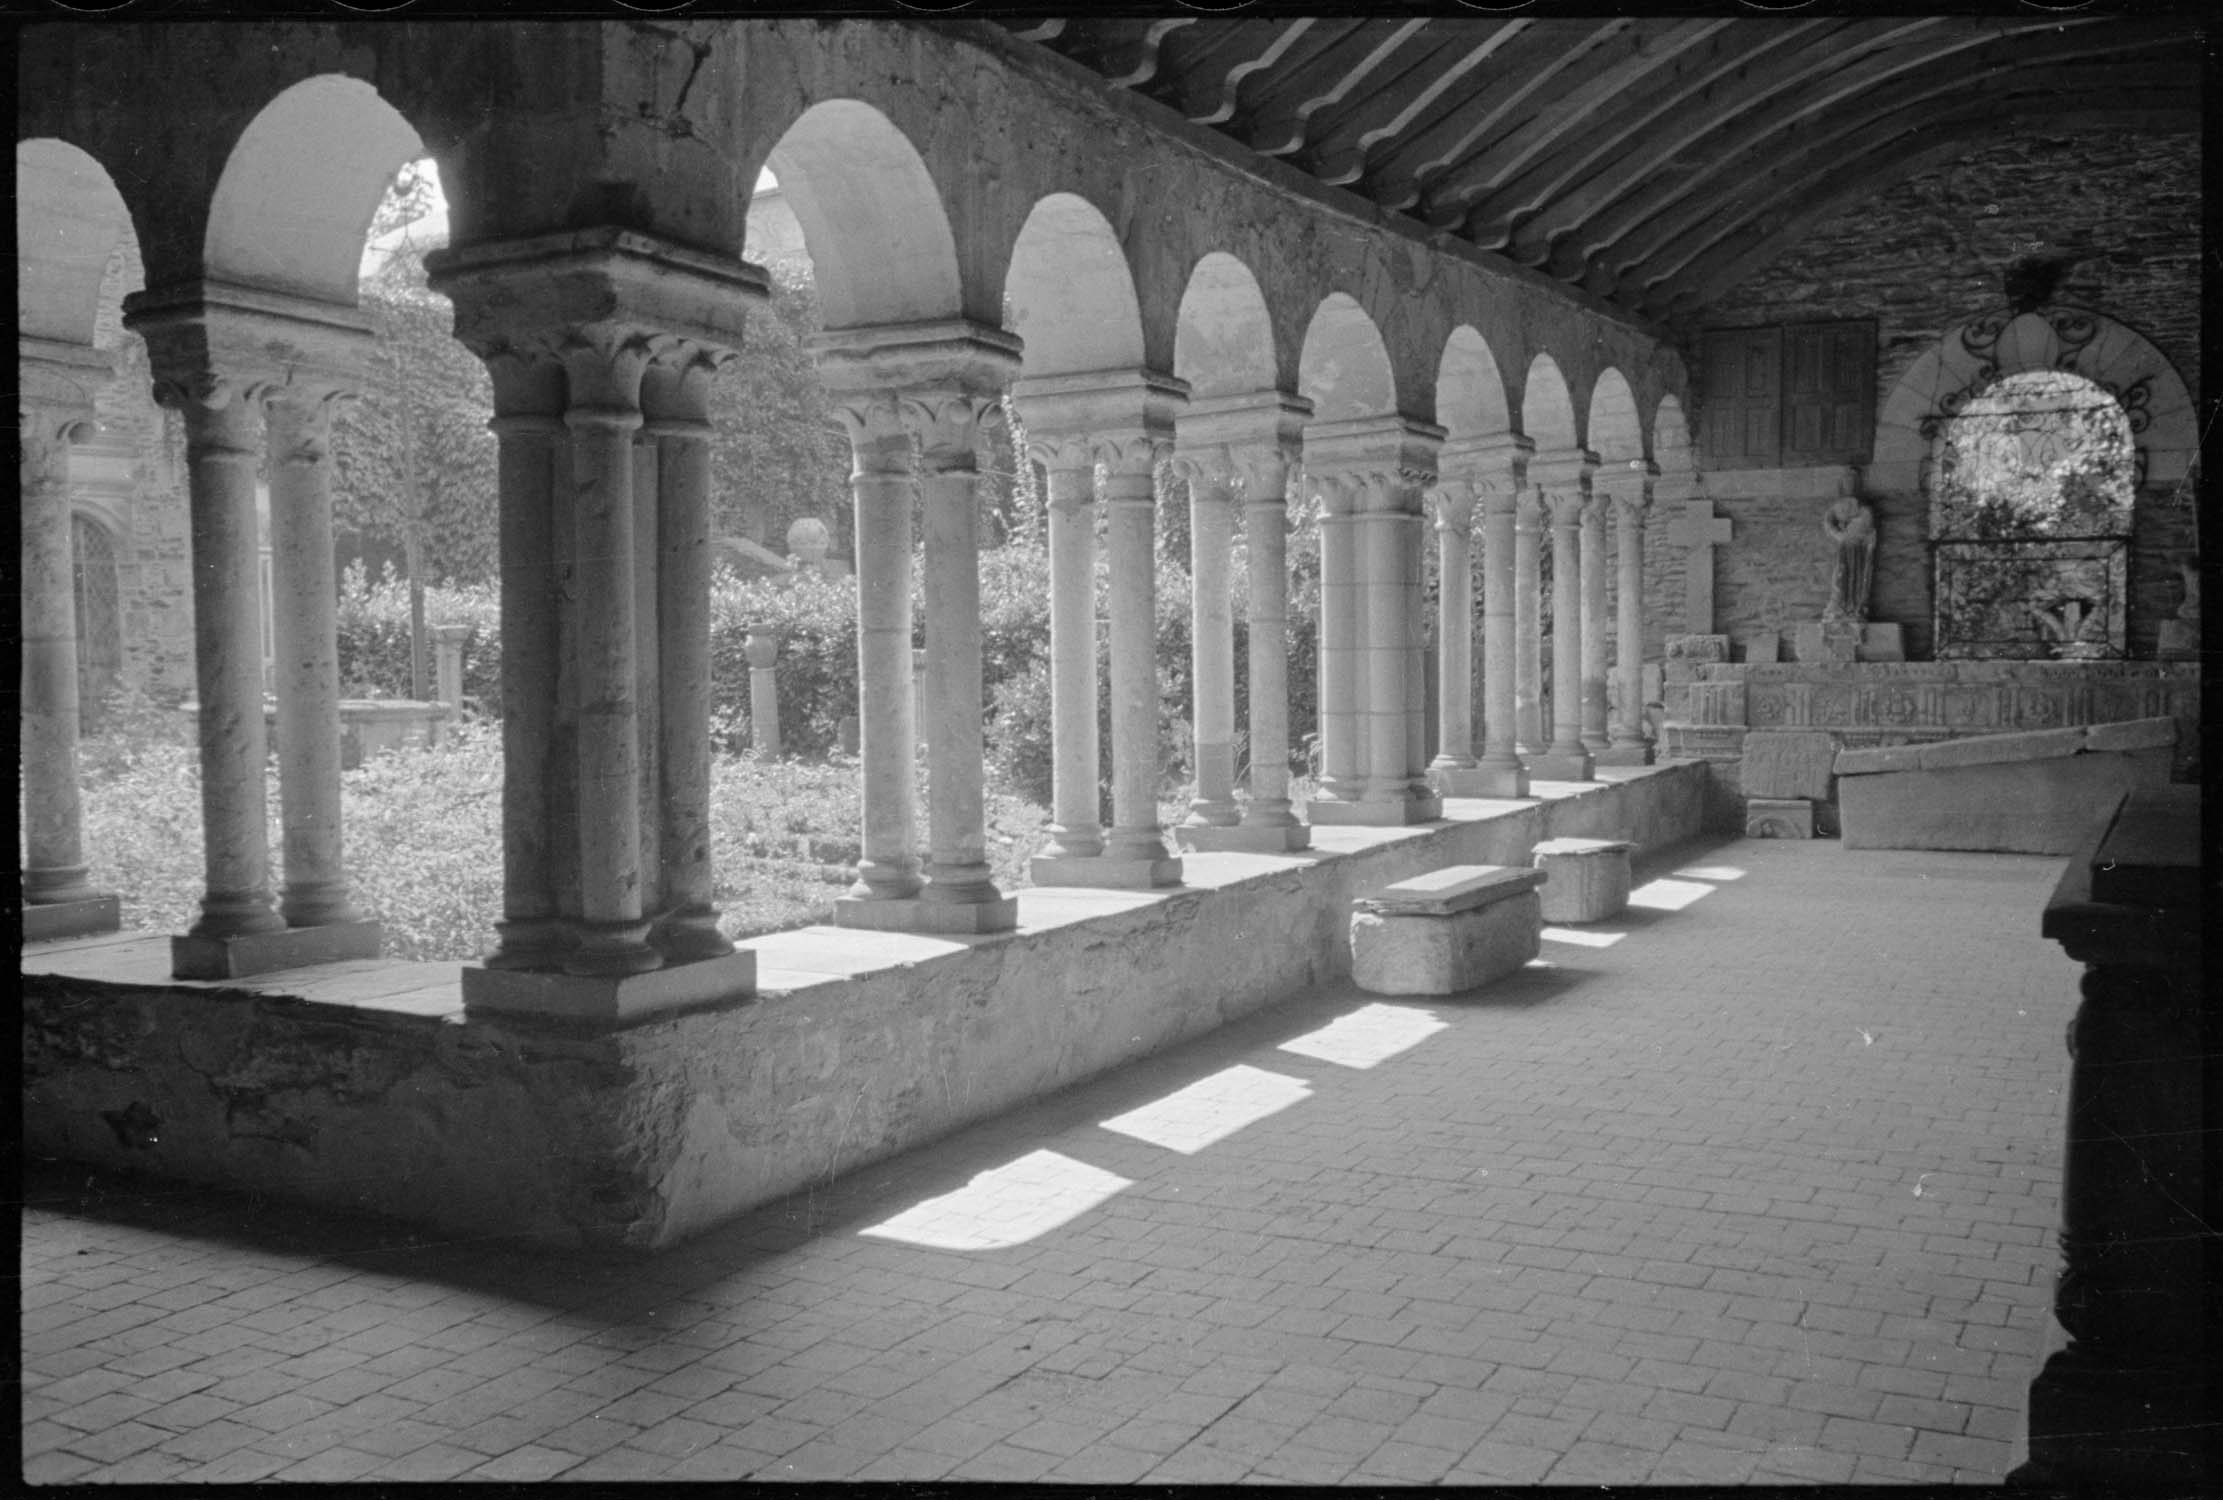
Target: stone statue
x: 1852, y: 526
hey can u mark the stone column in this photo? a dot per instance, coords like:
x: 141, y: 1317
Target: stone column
x: 946, y: 421
x: 1494, y: 467
x: 58, y: 900
x: 881, y: 484
x: 1268, y: 823
x: 1129, y: 500
x: 1373, y: 471
x: 1593, y: 610
x: 305, y: 598
x: 1528, y: 622
x: 1076, y: 827
x: 1564, y: 479
x: 1628, y: 491
x: 1339, y: 782
x: 1453, y: 503
x: 1122, y: 421
x: 1212, y: 641
x: 893, y: 384
x: 676, y: 394
x: 601, y: 343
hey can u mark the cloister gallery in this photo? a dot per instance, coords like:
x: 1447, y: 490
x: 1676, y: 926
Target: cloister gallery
x: 1683, y: 344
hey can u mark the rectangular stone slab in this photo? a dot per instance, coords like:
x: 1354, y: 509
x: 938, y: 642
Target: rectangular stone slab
x: 1455, y: 888
x: 1995, y: 749
x: 1787, y: 763
x: 1396, y: 953
x: 1589, y: 878
x: 2131, y: 734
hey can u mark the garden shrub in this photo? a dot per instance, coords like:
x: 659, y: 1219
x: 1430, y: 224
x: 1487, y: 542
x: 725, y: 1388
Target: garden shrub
x: 374, y: 635
x: 815, y: 620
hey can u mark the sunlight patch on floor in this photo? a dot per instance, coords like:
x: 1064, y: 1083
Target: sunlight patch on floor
x: 1581, y: 939
x: 1668, y: 895
x: 1210, y: 1109
x: 1367, y: 1035
x: 1004, y: 1206
x: 1711, y: 872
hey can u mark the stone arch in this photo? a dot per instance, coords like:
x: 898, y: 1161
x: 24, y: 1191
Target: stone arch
x: 873, y: 220
x: 1547, y: 409
x: 1470, y: 391
x: 1979, y: 353
x: 1344, y: 368
x: 1615, y: 431
x: 69, y: 218
x: 1070, y: 293
x: 295, y: 200
x: 1223, y: 340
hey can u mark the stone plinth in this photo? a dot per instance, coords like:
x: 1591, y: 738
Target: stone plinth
x: 201, y: 956
x: 2030, y: 793
x: 1586, y: 880
x: 44, y: 921
x: 1243, y: 838
x: 610, y: 1000
x: 1449, y: 930
x: 1826, y: 640
x: 956, y: 917
x: 1787, y: 763
x: 1096, y: 870
x: 1882, y: 641
x: 1778, y: 818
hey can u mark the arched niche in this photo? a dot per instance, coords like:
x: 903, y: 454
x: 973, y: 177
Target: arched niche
x: 1070, y: 293
x: 1671, y: 449
x: 1547, y: 410
x: 1223, y: 340
x: 1970, y: 358
x: 1344, y: 368
x: 295, y: 201
x: 1616, y: 432
x: 69, y: 219
x: 872, y: 219
x: 1470, y: 391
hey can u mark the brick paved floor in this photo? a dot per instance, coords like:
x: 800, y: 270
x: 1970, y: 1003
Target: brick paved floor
x: 1757, y: 1183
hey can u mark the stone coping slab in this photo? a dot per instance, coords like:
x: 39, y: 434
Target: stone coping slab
x: 1581, y: 846
x: 1446, y: 892
x: 2001, y: 749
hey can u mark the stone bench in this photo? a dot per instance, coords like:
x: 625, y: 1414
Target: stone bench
x: 1449, y: 930
x: 2035, y: 792
x: 1586, y: 880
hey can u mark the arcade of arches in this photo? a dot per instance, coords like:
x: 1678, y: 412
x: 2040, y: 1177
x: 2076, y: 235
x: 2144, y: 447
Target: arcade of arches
x: 995, y: 210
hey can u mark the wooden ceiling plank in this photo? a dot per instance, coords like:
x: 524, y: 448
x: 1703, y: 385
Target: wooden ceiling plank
x: 1209, y: 91
x: 1281, y: 131
x: 1345, y: 141
x: 1136, y: 62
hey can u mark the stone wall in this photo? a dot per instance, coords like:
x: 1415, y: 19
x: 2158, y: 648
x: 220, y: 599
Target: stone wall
x: 2123, y: 207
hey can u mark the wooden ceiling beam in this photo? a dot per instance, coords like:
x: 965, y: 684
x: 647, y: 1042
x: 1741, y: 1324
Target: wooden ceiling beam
x: 1344, y: 143
x: 1287, y: 105
x: 1209, y: 91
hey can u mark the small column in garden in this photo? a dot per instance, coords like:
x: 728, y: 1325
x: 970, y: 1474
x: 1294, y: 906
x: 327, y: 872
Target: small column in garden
x: 1372, y: 472
x: 895, y: 385
x: 1241, y: 447
x: 762, y: 649
x: 55, y: 408
x: 217, y: 358
x: 1628, y: 487
x: 1125, y: 420
x: 602, y: 410
x: 1564, y: 480
x: 1497, y: 466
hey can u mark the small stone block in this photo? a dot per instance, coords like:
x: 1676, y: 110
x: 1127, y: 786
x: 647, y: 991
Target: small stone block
x: 1388, y: 812
x: 1778, y: 818
x: 1877, y: 759
x: 1763, y: 648
x: 1588, y: 878
x: 1697, y: 648
x: 1834, y: 640
x: 193, y: 957
x: 970, y: 918
x: 2000, y: 749
x: 1882, y: 641
x: 46, y: 921
x: 613, y: 1000
x: 1095, y: 872
x: 1396, y: 953
x: 1548, y: 767
x: 1453, y: 889
x: 2131, y: 734
x: 1243, y: 838
x: 1787, y: 763
x: 1481, y: 781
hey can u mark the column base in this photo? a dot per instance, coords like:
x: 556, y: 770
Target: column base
x: 87, y: 916
x: 1243, y: 838
x: 2133, y: 1428
x: 914, y: 915
x: 1105, y: 873
x: 1479, y: 781
x: 193, y: 957
x: 1547, y: 766
x: 1624, y: 755
x: 616, y: 1000
x: 1388, y: 812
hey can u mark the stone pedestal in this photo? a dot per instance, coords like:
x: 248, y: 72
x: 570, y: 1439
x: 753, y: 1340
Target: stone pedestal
x: 976, y: 917
x: 1450, y: 930
x: 612, y: 1000
x: 1778, y: 818
x: 1586, y: 880
x: 85, y: 916
x: 1244, y: 838
x: 208, y: 956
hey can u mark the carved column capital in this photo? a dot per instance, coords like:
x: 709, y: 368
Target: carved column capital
x: 946, y: 422
x: 1063, y: 453
x: 1452, y: 503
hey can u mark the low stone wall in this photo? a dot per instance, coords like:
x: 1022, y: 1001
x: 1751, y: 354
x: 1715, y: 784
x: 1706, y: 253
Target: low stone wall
x: 639, y: 1138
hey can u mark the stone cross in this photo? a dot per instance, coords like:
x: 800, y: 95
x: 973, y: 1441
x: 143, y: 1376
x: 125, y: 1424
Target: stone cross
x: 1699, y: 529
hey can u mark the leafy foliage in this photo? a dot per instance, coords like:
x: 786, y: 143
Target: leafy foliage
x: 374, y: 635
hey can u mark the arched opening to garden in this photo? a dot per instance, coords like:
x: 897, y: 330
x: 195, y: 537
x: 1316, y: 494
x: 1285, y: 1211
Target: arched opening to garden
x: 2031, y: 492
